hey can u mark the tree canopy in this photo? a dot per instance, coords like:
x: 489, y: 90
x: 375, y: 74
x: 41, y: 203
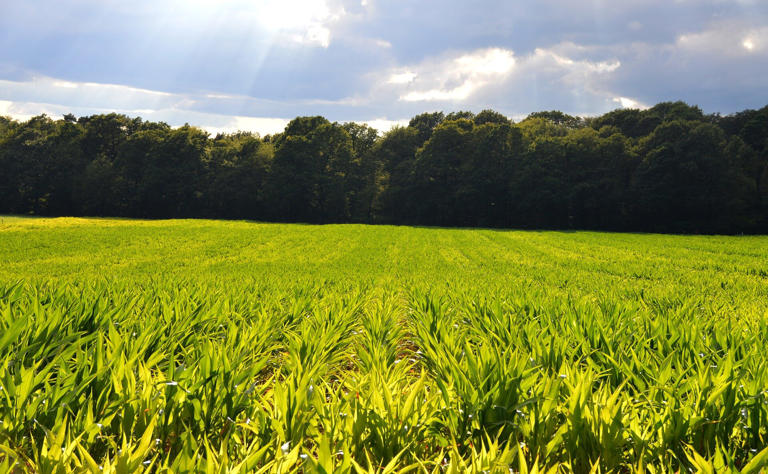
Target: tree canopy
x: 670, y: 168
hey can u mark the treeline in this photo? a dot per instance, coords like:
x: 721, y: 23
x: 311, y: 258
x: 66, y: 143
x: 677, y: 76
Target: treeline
x: 670, y: 168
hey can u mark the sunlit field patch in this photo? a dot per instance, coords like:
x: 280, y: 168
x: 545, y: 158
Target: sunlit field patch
x: 192, y: 345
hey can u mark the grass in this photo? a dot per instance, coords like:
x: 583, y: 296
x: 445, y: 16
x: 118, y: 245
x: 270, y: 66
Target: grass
x: 209, y: 346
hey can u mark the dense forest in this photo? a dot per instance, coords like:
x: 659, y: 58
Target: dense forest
x: 670, y: 168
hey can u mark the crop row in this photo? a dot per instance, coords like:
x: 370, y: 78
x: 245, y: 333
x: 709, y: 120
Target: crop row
x: 107, y: 377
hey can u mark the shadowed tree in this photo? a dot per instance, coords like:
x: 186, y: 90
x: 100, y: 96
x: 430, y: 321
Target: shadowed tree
x: 311, y: 169
x: 440, y: 175
x: 40, y: 159
x: 425, y: 123
x: 362, y: 180
x: 490, y: 116
x: 237, y: 169
x: 559, y: 118
x: 685, y: 182
x: 597, y: 168
x: 667, y: 168
x: 395, y: 153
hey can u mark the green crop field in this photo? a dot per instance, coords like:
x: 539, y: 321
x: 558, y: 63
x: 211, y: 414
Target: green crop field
x: 209, y: 346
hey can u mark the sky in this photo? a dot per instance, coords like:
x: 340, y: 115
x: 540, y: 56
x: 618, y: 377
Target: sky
x: 228, y: 65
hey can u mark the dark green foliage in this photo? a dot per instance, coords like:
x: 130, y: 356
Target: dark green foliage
x: 395, y: 152
x: 559, y: 118
x: 686, y: 182
x: 315, y: 177
x: 490, y: 116
x: 39, y: 160
x: 238, y: 167
x: 669, y: 168
x: 425, y: 123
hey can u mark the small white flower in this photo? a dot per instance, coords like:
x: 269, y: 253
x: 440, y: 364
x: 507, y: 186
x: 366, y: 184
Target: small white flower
x: 286, y: 447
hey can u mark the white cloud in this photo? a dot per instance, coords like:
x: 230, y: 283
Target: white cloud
x: 220, y: 96
x: 456, y: 79
x: 46, y: 90
x: 456, y: 94
x: 315, y: 35
x: 384, y: 125
x: 402, y: 77
x: 491, y: 78
x: 66, y: 84
x: 720, y: 40
x: 495, y: 61
x: 43, y: 95
x: 302, y: 21
x: 261, y: 125
x: 306, y: 22
x: 54, y: 97
x: 10, y: 109
x: 628, y: 103
x: 557, y: 62
x: 26, y: 110
x: 212, y: 123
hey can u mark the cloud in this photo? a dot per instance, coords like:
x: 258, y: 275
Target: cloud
x: 54, y: 97
x: 89, y: 95
x: 216, y: 113
x: 210, y: 122
x: 384, y: 125
x: 628, y: 103
x: 720, y: 67
x: 456, y: 79
x: 301, y: 21
x: 353, y: 60
x: 402, y: 77
x: 260, y: 125
x: 564, y: 76
x: 725, y: 39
